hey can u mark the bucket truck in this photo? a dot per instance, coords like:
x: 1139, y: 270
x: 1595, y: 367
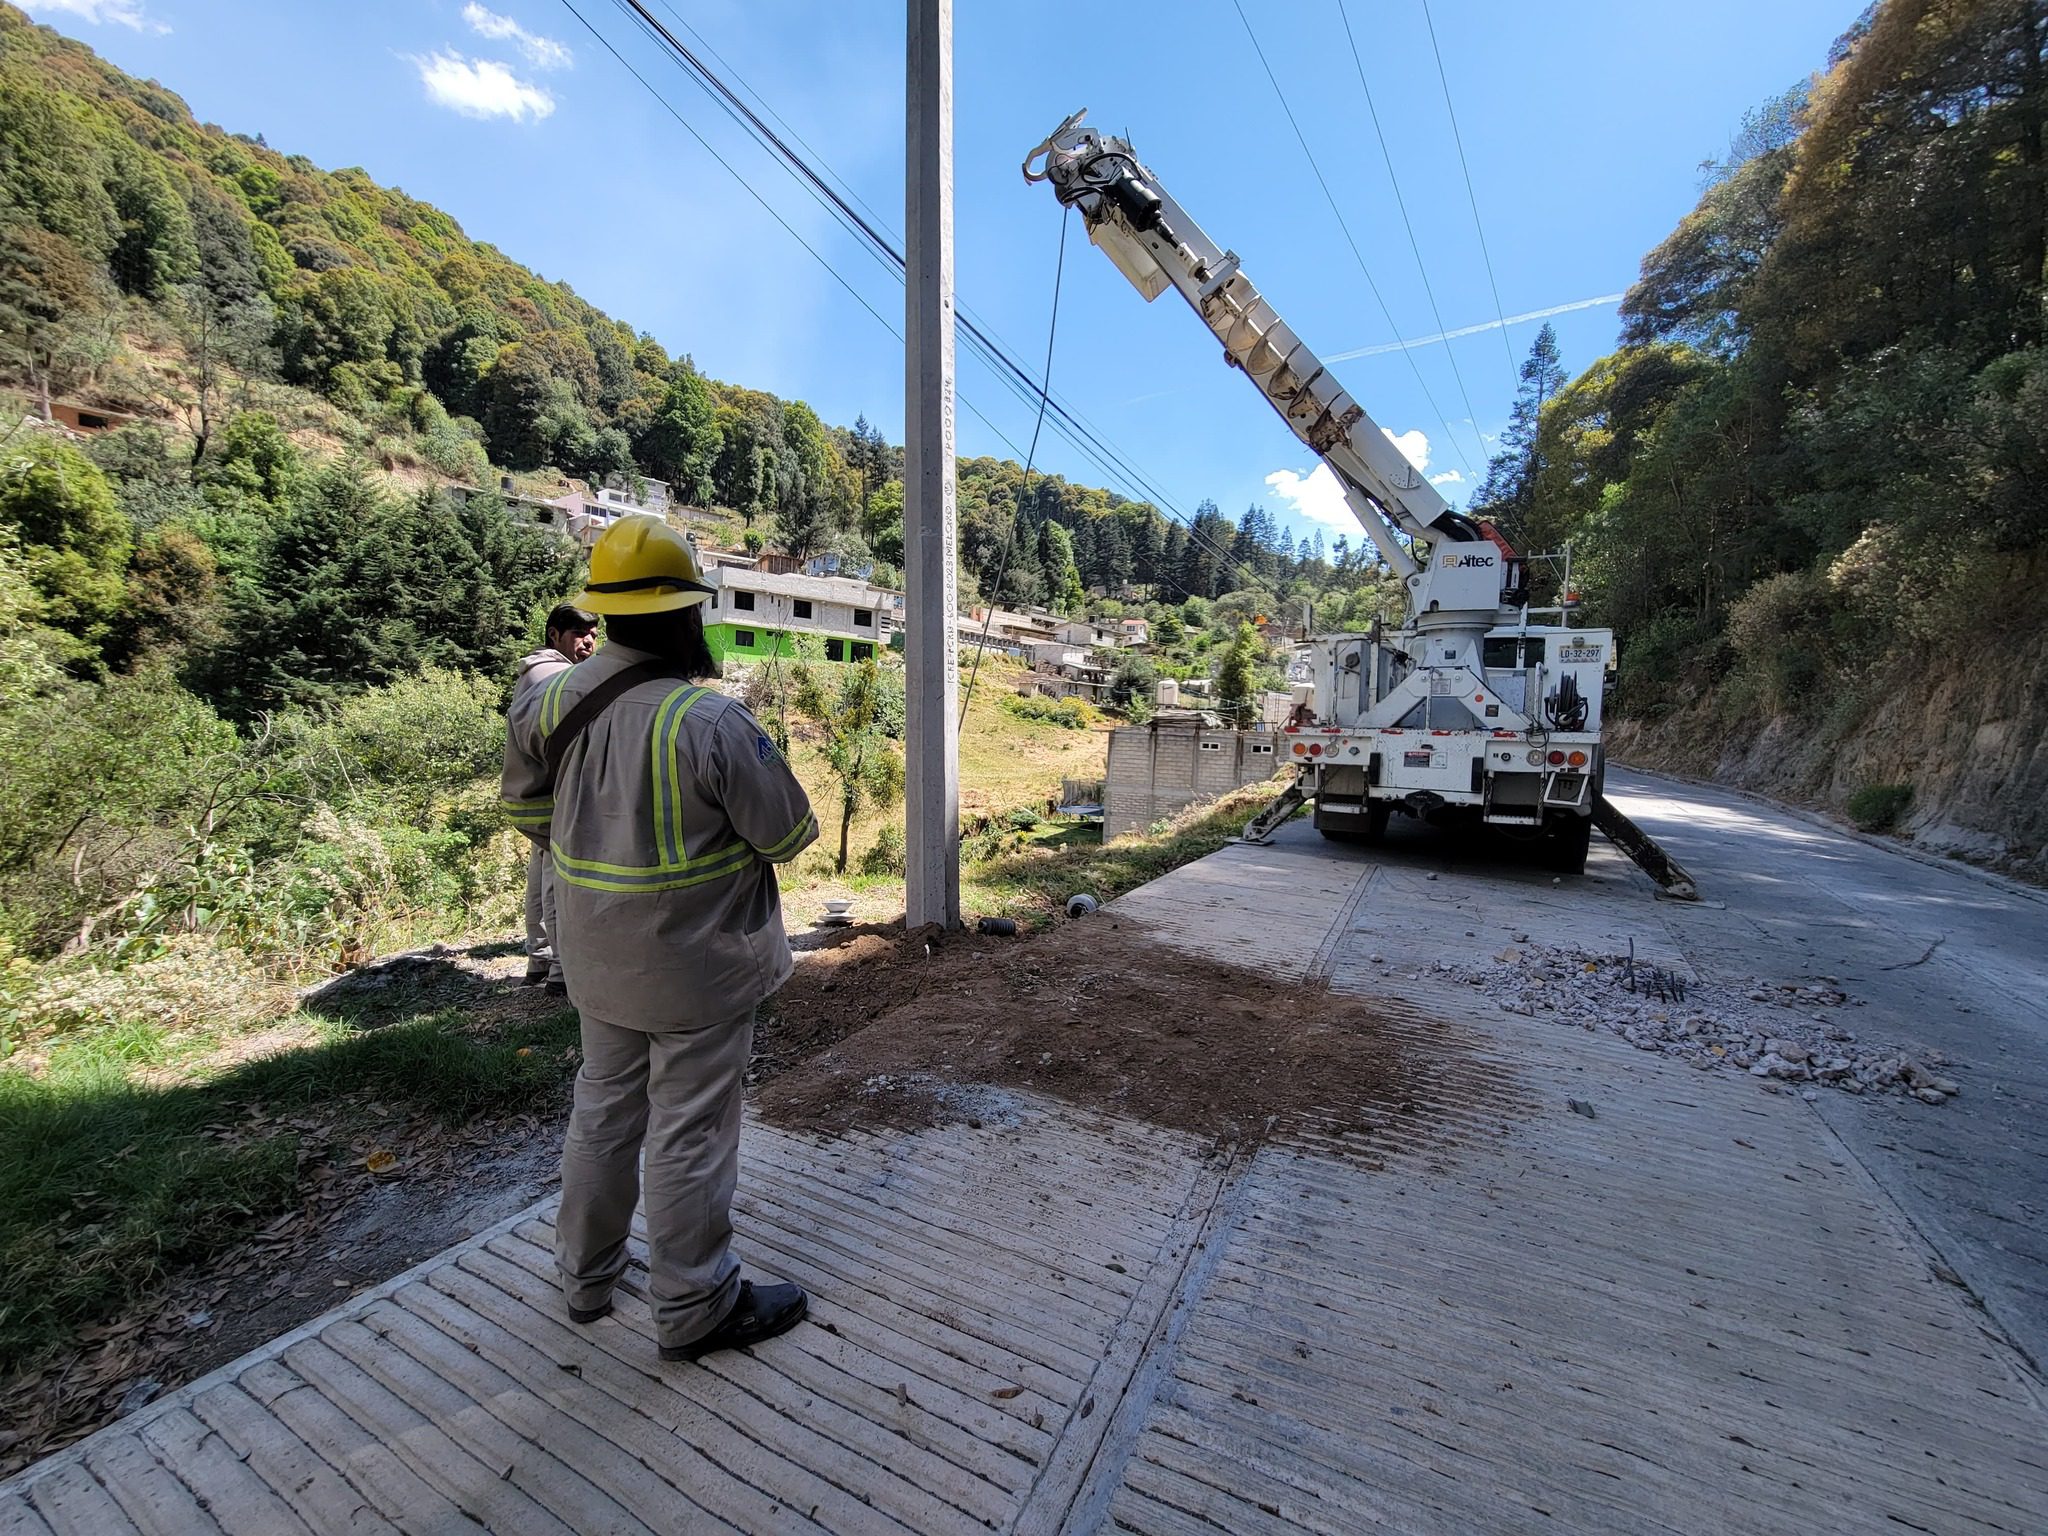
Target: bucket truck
x: 1471, y: 710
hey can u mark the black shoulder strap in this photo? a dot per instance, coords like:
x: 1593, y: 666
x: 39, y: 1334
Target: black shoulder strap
x: 596, y: 702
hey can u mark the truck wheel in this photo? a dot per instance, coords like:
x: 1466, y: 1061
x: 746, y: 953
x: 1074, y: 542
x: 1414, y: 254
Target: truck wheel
x: 1566, y: 844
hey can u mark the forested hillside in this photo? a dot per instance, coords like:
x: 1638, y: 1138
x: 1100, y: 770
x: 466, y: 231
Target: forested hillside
x: 1811, y: 488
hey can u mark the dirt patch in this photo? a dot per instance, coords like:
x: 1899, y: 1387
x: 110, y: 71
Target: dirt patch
x: 1100, y: 1015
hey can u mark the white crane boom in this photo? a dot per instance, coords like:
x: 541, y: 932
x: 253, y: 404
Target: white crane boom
x: 1155, y: 244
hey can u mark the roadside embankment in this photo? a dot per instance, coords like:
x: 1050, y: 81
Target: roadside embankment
x: 1968, y: 735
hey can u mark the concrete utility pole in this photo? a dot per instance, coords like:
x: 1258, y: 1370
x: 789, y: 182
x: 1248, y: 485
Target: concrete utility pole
x: 930, y: 534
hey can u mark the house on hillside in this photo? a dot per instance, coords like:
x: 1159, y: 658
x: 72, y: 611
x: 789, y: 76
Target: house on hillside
x: 88, y: 420
x: 588, y: 513
x: 550, y: 513
x: 1083, y: 633
x: 756, y: 613
x: 1007, y: 631
x: 1133, y: 632
x: 1067, y: 671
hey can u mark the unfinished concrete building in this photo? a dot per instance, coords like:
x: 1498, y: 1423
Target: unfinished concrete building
x: 1157, y: 769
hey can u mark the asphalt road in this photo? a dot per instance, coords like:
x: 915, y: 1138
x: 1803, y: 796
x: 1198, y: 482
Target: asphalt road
x: 1940, y: 958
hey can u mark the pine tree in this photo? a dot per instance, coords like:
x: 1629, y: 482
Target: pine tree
x: 1234, y: 678
x: 1507, y: 494
x: 1062, y: 575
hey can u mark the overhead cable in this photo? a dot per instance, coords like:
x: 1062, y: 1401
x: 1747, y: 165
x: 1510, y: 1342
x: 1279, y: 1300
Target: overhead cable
x: 1471, y: 196
x: 865, y: 231
x: 1400, y: 202
x: 1343, y: 224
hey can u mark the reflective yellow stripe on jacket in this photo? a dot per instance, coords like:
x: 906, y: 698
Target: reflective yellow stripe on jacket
x: 528, y: 813
x: 673, y: 868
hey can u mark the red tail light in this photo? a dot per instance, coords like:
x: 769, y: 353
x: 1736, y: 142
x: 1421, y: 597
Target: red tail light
x: 1557, y: 759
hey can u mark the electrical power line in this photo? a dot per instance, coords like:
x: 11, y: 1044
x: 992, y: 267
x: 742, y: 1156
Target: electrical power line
x: 1400, y: 202
x: 1007, y: 370
x: 1471, y: 196
x: 1052, y: 329
x: 978, y: 325
x: 1357, y: 255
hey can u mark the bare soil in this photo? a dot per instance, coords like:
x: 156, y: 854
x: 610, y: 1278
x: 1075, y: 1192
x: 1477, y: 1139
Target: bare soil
x: 893, y: 1029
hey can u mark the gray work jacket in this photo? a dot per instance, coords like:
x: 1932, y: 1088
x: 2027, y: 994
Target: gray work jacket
x: 664, y: 826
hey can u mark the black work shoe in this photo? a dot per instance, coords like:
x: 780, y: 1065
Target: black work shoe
x: 591, y: 1314
x: 558, y: 989
x: 760, y: 1314
x: 533, y: 979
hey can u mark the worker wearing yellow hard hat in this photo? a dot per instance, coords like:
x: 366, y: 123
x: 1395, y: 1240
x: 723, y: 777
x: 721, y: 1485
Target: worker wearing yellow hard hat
x: 641, y: 565
x: 665, y: 809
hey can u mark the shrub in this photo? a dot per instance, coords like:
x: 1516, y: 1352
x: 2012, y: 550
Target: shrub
x: 1069, y: 714
x: 1878, y: 807
x: 435, y: 729
x: 97, y: 785
x: 1781, y: 632
x: 191, y: 983
x: 887, y: 856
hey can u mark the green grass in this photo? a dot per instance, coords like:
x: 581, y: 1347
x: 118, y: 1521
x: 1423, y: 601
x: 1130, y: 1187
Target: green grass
x: 108, y: 1184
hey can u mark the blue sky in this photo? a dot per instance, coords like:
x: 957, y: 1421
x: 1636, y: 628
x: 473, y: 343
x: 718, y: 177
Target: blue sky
x: 1584, y: 124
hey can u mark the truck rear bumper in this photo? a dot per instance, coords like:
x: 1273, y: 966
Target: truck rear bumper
x: 1460, y: 772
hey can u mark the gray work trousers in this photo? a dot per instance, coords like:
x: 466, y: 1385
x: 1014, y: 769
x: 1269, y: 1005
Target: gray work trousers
x: 540, y: 916
x: 679, y: 1091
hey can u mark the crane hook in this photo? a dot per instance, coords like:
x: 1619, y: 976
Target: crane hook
x: 1045, y: 149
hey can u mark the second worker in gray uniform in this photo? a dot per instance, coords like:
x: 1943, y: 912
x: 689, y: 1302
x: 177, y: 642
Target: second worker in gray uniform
x: 664, y: 807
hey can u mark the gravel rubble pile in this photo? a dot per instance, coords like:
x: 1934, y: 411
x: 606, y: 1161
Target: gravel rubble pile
x: 1792, y: 1036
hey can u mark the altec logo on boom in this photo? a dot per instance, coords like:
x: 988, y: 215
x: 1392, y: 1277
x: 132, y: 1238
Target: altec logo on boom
x: 1454, y: 561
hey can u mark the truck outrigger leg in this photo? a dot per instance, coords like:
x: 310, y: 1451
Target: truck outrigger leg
x: 1632, y: 840
x: 1260, y: 828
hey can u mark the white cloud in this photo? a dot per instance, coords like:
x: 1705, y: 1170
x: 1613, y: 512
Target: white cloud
x: 541, y: 52
x: 121, y: 13
x: 481, y: 88
x: 1414, y: 445
x: 1315, y: 496
x: 1318, y: 497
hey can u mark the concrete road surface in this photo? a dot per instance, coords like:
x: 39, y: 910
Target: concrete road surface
x: 1943, y: 958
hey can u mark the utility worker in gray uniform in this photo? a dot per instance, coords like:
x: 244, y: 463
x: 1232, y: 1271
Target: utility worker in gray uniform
x: 571, y: 635
x: 665, y: 809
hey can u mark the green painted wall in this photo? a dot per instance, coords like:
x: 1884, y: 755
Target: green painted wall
x: 725, y: 644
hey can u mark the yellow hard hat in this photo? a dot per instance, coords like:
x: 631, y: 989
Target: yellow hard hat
x: 641, y: 565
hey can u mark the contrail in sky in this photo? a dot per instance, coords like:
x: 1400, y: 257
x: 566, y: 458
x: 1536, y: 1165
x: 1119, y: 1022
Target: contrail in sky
x: 1474, y: 330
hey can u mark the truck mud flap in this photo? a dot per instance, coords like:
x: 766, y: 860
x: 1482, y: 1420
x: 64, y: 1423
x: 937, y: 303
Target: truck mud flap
x: 1632, y: 840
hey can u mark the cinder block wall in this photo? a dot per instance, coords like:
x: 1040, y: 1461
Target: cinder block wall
x: 1154, y: 772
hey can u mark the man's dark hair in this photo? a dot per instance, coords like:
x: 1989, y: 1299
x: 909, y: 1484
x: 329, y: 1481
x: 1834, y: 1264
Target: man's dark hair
x: 568, y: 619
x: 677, y: 636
